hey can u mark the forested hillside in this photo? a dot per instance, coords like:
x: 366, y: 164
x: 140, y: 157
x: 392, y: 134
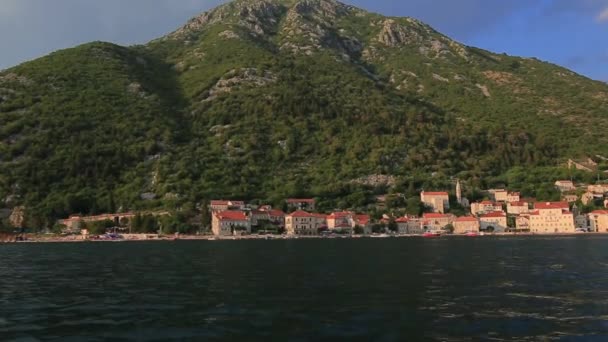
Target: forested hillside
x: 263, y: 99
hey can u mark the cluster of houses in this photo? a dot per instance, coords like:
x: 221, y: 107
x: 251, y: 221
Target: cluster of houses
x: 237, y: 218
x: 507, y: 211
x: 503, y: 211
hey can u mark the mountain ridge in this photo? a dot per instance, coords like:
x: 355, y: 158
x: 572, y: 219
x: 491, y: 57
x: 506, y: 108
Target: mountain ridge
x: 273, y: 98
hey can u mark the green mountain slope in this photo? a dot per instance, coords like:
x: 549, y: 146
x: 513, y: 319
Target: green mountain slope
x: 269, y: 98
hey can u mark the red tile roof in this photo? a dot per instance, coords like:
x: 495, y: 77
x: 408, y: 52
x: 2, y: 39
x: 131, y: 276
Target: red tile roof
x: 340, y: 215
x: 494, y: 214
x: 600, y: 212
x: 300, y: 213
x: 466, y: 219
x: 402, y: 220
x: 276, y: 213
x: 363, y: 219
x: 552, y: 205
x: 232, y: 215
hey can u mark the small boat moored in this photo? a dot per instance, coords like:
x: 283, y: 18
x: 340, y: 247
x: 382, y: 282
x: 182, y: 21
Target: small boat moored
x: 431, y: 234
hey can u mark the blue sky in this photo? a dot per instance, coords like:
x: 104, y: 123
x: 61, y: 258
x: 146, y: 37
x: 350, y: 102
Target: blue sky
x: 571, y: 33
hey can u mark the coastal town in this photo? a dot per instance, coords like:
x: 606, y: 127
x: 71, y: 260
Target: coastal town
x: 502, y: 212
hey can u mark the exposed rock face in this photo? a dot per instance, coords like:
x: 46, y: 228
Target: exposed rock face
x: 234, y: 78
x: 11, y: 77
x: 260, y: 17
x: 17, y: 217
x: 484, y: 90
x: 376, y: 180
x: 394, y: 34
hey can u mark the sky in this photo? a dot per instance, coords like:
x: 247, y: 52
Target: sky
x: 571, y: 33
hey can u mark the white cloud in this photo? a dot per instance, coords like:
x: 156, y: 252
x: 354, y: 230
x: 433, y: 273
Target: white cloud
x: 603, y: 16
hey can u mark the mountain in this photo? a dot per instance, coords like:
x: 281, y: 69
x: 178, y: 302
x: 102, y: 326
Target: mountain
x: 263, y: 99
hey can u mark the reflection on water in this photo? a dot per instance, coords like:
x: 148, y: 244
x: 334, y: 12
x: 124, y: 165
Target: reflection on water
x: 450, y: 289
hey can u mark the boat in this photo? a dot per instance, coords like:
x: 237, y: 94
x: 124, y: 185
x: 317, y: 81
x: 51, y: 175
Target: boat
x: 431, y: 234
x: 472, y: 234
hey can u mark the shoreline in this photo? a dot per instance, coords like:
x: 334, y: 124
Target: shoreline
x: 148, y: 238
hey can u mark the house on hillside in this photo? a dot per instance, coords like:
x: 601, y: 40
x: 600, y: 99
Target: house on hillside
x: 304, y: 204
x: 216, y: 206
x: 485, y: 207
x: 438, y: 202
x: 518, y: 208
x: 565, y: 185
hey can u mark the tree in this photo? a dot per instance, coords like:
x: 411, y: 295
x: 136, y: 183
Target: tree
x: 379, y: 228
x: 449, y: 228
x: 414, y: 206
x: 392, y: 225
x: 359, y: 230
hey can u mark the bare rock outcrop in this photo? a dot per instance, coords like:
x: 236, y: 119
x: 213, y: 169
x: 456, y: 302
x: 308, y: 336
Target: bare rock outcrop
x: 235, y: 78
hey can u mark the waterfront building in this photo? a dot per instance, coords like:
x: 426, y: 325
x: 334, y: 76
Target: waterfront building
x: 552, y: 217
x: 438, y: 202
x: 495, y: 221
x: 466, y: 224
x: 522, y: 223
x: 598, y: 221
x: 303, y: 204
x: 230, y: 222
x: 402, y: 225
x: 74, y: 222
x: 436, y: 221
x: 343, y: 221
x: 301, y: 223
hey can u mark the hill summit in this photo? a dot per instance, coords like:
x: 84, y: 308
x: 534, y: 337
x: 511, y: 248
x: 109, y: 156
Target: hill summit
x: 264, y: 99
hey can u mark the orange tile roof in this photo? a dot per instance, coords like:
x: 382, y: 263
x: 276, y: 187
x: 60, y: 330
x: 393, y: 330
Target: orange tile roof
x: 276, y: 213
x: 232, y: 215
x: 466, y: 219
x: 300, y: 213
x: 552, y: 205
x: 402, y: 220
x: 600, y: 212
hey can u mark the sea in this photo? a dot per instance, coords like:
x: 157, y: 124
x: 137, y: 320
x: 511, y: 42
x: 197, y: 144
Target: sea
x: 392, y: 289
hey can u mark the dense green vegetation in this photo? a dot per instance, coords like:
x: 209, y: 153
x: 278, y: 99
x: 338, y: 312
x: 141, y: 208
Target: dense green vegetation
x: 221, y: 112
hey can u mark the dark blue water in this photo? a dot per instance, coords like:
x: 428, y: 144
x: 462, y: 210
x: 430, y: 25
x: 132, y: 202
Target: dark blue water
x: 448, y: 289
